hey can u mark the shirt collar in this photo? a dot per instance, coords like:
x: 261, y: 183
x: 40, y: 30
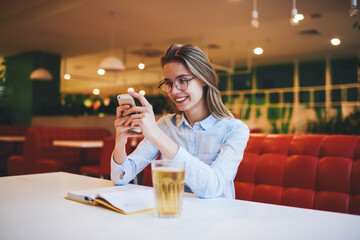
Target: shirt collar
x: 205, y: 124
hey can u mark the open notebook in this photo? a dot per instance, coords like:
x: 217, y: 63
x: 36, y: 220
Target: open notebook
x: 125, y: 199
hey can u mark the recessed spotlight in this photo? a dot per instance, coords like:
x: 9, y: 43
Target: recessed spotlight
x: 67, y: 76
x: 141, y: 66
x: 96, y: 91
x: 142, y: 92
x: 101, y: 71
x: 335, y: 41
x: 299, y: 17
x: 130, y: 89
x: 258, y: 51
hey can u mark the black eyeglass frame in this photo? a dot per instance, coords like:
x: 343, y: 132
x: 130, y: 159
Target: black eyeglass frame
x: 162, y: 82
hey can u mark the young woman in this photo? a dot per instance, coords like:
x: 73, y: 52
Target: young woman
x: 202, y: 132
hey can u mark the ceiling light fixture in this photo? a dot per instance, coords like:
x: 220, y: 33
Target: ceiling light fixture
x: 41, y: 74
x: 295, y: 16
x: 67, y: 76
x: 112, y: 63
x: 101, y: 71
x: 255, y: 15
x: 335, y: 41
x: 141, y: 66
x: 258, y: 51
x: 96, y: 91
x: 353, y: 10
x: 299, y: 17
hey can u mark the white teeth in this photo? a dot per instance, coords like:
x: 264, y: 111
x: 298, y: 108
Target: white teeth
x: 180, y: 99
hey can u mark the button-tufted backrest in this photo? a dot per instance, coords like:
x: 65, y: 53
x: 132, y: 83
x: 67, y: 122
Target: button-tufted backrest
x: 310, y: 171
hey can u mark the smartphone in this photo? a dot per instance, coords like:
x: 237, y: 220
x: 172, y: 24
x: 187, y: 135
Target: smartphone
x: 126, y: 99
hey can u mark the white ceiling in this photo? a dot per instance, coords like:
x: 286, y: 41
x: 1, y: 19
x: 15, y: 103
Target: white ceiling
x: 80, y: 31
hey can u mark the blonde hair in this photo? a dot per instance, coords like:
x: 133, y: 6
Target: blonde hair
x: 198, y: 63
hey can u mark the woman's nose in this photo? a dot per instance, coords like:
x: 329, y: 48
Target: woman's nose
x: 174, y: 89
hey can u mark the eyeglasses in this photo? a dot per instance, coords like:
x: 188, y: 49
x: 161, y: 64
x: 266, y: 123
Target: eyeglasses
x: 180, y: 83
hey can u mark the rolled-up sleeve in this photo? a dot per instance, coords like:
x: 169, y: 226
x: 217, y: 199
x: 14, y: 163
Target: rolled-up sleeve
x: 118, y: 171
x: 133, y: 164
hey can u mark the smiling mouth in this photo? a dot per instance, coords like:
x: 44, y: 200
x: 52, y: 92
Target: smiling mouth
x: 180, y: 100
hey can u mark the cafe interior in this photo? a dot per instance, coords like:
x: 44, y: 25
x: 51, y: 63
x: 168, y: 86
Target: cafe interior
x: 289, y: 69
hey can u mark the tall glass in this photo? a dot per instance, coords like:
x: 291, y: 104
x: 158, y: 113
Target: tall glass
x: 168, y: 181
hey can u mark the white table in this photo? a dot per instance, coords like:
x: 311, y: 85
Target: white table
x: 79, y: 143
x: 13, y: 141
x: 83, y: 145
x: 33, y: 207
x: 12, y: 138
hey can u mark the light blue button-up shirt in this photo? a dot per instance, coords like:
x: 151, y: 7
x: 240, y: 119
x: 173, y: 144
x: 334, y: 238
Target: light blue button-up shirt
x: 212, y: 150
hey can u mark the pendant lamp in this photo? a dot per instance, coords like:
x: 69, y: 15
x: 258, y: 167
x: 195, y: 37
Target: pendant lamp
x: 353, y: 10
x: 41, y: 74
x: 295, y: 16
x: 112, y: 63
x: 255, y: 16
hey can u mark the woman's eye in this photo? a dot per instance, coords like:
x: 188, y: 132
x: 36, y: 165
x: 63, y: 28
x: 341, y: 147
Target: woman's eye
x: 168, y: 84
x: 182, y: 80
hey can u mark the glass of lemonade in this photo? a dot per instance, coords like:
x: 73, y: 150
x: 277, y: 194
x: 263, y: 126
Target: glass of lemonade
x: 168, y: 181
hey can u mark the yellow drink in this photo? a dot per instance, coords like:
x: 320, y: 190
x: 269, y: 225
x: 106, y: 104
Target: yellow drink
x: 169, y: 187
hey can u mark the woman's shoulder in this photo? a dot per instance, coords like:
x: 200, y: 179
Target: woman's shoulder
x: 233, y: 124
x: 232, y: 121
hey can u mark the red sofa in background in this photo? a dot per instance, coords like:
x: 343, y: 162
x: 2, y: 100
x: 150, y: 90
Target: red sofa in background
x: 309, y: 171
x: 41, y: 156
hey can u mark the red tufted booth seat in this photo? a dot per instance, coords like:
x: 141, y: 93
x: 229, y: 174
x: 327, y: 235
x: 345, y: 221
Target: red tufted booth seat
x: 309, y: 171
x: 41, y: 156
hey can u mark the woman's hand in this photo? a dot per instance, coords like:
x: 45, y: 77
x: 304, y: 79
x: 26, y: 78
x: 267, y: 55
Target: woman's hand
x: 122, y: 133
x: 141, y: 116
x: 121, y: 123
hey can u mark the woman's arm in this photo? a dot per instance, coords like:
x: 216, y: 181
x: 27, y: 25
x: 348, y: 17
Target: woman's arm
x: 123, y: 169
x: 119, y: 152
x: 210, y: 181
x: 122, y: 134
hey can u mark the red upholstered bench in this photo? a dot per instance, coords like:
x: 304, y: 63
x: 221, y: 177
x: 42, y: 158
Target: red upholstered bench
x: 310, y: 171
x: 41, y: 156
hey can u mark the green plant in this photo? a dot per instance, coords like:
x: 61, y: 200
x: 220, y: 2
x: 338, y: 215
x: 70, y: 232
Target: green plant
x: 336, y: 125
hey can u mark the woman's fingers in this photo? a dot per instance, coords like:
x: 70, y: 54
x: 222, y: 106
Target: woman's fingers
x: 131, y: 118
x: 136, y: 123
x: 119, y: 122
x: 120, y: 110
x: 120, y: 127
x: 141, y: 98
